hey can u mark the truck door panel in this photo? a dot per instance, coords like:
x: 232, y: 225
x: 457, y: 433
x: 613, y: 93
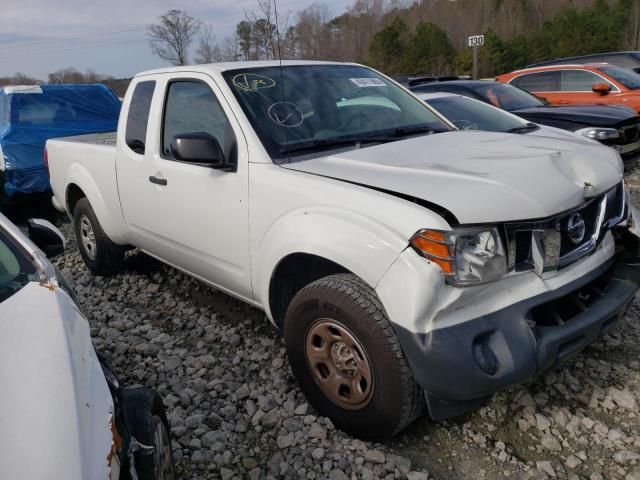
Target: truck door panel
x: 192, y: 215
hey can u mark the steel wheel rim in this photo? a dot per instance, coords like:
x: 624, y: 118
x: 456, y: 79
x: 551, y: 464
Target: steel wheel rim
x: 162, y: 455
x: 88, y: 237
x: 339, y: 364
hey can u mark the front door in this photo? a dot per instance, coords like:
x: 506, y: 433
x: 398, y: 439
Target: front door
x: 192, y: 215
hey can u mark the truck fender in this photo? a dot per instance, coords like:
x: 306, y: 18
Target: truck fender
x: 356, y: 242
x: 109, y: 216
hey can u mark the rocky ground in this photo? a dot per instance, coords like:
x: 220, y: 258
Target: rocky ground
x: 236, y: 412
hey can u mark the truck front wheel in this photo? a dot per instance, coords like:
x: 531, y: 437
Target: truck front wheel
x: 100, y: 254
x: 347, y: 358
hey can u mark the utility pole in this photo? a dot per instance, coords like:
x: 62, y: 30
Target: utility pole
x: 475, y: 62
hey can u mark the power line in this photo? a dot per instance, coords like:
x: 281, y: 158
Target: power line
x: 99, y: 43
x: 19, y: 44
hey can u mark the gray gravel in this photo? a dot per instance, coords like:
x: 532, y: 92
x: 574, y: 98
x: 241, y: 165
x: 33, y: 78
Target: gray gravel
x: 236, y: 412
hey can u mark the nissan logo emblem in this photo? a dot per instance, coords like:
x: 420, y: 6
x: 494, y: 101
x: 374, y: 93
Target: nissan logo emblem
x: 576, y: 228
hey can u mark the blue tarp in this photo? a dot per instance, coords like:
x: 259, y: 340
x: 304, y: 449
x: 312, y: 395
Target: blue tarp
x: 31, y: 116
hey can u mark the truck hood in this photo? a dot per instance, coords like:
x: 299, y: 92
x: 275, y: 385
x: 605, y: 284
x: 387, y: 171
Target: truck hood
x: 56, y: 409
x: 480, y: 177
x: 592, y: 115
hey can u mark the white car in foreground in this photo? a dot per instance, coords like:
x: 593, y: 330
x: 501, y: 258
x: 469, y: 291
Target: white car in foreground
x: 403, y: 260
x: 63, y: 414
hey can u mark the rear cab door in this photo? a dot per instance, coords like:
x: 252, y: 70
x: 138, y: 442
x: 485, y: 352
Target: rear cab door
x: 187, y: 214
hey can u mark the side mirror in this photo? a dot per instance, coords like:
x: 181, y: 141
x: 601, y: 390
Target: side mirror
x: 46, y: 237
x: 601, y: 88
x: 199, y: 148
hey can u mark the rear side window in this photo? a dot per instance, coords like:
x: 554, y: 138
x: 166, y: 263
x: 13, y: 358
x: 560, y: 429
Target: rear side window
x: 626, y: 61
x: 191, y: 107
x: 138, y: 117
x: 579, y: 80
x: 538, y: 82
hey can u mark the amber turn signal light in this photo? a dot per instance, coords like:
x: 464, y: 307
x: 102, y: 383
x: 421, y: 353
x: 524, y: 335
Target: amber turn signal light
x: 433, y: 246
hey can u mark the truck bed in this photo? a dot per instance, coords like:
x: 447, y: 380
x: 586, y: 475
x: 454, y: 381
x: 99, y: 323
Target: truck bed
x: 92, y: 138
x: 90, y: 161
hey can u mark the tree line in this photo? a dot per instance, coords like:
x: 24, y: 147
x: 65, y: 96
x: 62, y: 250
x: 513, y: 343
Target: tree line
x: 70, y: 75
x: 423, y: 37
x: 397, y: 36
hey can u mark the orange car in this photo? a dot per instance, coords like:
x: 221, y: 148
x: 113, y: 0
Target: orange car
x: 599, y: 83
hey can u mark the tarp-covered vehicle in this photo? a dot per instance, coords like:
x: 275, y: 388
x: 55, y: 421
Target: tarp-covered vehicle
x: 30, y: 115
x: 63, y: 413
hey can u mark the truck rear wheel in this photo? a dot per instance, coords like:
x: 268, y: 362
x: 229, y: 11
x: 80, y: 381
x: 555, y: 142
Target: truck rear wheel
x: 347, y: 358
x: 100, y: 254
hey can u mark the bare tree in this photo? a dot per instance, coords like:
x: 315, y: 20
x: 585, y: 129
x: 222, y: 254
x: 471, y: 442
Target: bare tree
x: 171, y: 37
x: 311, y: 30
x: 20, y: 79
x: 229, y: 50
x: 66, y: 75
x: 208, y: 50
x: 263, y: 30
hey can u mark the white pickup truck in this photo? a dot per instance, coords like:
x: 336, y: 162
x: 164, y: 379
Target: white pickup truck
x: 403, y: 261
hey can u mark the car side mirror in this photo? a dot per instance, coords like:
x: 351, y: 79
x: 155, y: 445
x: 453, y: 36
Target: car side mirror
x: 199, y: 148
x: 46, y: 237
x: 601, y: 88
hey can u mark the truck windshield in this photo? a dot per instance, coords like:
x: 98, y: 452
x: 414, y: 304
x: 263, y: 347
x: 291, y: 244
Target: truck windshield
x: 304, y: 109
x: 16, y: 268
x: 626, y: 77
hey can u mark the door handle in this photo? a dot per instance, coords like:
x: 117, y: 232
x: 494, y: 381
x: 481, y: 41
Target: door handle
x: 158, y: 181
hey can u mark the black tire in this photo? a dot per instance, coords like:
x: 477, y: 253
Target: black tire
x: 395, y: 399
x: 105, y: 257
x: 144, y: 414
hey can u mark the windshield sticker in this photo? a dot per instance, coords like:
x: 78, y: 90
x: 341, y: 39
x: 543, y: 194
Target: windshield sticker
x: 368, y: 82
x: 250, y: 81
x: 285, y: 114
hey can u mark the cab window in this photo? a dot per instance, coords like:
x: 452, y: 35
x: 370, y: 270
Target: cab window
x: 138, y: 116
x: 579, y: 80
x: 191, y: 107
x: 538, y: 82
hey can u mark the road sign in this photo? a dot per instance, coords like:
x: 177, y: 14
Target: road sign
x: 476, y: 40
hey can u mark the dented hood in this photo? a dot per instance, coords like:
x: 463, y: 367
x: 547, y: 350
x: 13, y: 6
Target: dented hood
x: 55, y: 405
x: 480, y: 176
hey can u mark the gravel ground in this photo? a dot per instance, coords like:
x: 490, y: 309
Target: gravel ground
x: 236, y: 412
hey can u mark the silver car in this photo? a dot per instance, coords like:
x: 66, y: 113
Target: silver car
x: 63, y: 413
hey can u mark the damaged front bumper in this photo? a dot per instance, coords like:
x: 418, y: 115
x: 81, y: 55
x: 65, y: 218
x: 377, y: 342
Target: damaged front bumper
x: 463, y: 363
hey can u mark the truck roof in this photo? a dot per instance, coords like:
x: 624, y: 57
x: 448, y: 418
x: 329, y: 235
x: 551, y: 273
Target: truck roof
x: 224, y: 66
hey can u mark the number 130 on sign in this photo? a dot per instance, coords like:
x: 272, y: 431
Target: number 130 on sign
x: 476, y: 40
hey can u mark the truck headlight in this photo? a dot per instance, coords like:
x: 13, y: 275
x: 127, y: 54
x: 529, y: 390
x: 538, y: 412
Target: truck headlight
x: 597, y: 133
x: 467, y: 256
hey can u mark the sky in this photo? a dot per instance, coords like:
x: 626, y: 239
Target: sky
x: 109, y: 37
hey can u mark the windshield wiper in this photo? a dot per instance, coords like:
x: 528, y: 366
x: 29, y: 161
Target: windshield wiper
x: 327, y: 142
x: 381, y: 137
x: 529, y: 127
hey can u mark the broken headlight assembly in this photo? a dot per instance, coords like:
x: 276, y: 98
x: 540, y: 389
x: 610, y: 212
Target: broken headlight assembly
x: 467, y: 256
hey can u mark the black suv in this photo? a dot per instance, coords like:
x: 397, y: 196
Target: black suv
x: 616, y: 126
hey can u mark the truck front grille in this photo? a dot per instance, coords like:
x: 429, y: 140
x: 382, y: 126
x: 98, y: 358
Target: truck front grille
x: 629, y: 133
x: 558, y: 241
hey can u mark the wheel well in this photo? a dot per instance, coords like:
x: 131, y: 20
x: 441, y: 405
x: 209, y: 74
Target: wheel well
x: 293, y: 273
x: 74, y: 194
